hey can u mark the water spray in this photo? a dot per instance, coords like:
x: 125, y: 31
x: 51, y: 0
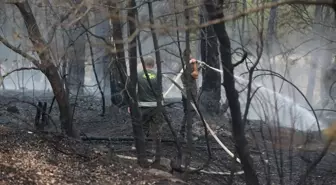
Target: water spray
x: 268, y: 91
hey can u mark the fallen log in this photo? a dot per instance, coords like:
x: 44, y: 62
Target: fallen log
x: 190, y: 168
x: 120, y: 139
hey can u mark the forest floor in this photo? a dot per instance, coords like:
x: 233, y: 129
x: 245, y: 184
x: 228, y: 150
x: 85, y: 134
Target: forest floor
x: 30, y: 158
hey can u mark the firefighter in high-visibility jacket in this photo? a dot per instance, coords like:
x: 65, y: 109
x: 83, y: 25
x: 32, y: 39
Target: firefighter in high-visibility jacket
x: 152, y: 119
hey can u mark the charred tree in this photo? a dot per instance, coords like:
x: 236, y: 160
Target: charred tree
x: 159, y: 96
x: 210, y: 94
x: 188, y: 78
x: 118, y: 70
x: 190, y: 86
x: 216, y: 12
x: 38, y: 116
x: 48, y: 67
x: 41, y: 116
x: 44, y: 119
x: 138, y: 133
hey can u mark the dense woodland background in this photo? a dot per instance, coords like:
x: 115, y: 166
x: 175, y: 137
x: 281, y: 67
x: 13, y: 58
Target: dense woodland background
x: 264, y: 98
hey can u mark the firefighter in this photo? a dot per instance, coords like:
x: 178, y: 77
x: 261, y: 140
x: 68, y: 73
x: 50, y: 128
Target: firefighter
x: 151, y: 118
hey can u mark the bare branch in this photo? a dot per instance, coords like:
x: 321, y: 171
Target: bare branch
x: 19, y: 51
x: 242, y: 14
x: 20, y: 69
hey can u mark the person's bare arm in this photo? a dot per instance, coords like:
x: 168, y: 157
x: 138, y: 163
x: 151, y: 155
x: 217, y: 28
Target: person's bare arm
x: 194, y: 73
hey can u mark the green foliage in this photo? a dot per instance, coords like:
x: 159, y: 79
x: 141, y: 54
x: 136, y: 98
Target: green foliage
x: 289, y: 17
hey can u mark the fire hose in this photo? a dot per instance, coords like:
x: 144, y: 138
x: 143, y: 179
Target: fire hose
x: 174, y: 83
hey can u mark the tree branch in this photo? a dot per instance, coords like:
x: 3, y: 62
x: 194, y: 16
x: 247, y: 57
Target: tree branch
x: 19, y: 51
x: 20, y: 69
x: 242, y: 14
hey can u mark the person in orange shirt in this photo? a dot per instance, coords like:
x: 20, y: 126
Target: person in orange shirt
x: 194, y: 75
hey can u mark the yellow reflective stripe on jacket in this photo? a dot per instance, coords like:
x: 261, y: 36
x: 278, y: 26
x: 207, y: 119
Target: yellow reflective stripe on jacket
x: 150, y: 75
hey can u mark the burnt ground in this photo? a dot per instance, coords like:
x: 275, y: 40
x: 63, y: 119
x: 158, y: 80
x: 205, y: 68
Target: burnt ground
x: 30, y: 158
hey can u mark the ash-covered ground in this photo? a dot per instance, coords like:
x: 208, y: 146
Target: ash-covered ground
x: 277, y: 153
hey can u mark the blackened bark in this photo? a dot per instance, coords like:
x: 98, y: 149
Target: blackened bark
x: 190, y: 87
x: 189, y: 83
x: 44, y: 115
x: 38, y: 116
x: 48, y: 68
x: 216, y: 12
x: 116, y: 86
x: 119, y: 72
x: 211, y: 82
x: 62, y: 99
x: 159, y: 96
x: 138, y: 133
x: 117, y: 37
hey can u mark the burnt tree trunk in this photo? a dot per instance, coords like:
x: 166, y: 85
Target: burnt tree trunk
x: 159, y: 96
x: 48, y: 68
x: 189, y: 83
x: 211, y: 81
x: 216, y: 12
x: 38, y: 116
x: 138, y: 133
x: 119, y: 71
x: 190, y: 86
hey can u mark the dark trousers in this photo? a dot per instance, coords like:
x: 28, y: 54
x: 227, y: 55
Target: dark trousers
x: 185, y: 115
x: 152, y: 122
x: 147, y: 118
